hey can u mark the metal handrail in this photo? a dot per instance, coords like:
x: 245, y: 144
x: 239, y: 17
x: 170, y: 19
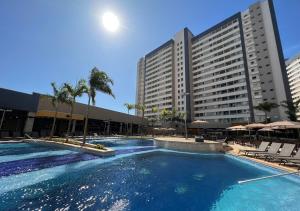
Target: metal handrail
x: 267, y: 177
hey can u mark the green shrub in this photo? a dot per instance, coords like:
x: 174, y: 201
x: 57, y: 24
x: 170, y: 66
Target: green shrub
x: 100, y: 146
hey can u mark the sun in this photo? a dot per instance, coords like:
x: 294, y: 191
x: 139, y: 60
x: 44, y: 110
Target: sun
x: 110, y: 21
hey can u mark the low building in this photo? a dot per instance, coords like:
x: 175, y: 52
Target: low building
x: 33, y: 114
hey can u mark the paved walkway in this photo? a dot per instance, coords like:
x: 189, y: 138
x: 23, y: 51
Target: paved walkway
x: 179, y: 139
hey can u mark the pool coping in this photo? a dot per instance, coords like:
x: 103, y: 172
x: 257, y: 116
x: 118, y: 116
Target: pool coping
x: 190, y: 146
x: 85, y: 148
x: 263, y: 162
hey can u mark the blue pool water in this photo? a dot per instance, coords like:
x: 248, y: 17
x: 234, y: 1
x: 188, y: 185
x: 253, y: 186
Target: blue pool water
x: 149, y: 180
x: 125, y: 146
x: 119, y: 143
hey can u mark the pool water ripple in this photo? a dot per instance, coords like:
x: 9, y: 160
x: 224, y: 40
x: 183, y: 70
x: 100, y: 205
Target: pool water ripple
x: 33, y: 164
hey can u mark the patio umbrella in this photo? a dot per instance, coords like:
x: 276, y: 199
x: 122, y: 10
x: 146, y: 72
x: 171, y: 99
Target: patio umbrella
x: 199, y: 122
x: 284, y: 124
x: 255, y: 125
x: 237, y: 128
x: 267, y: 129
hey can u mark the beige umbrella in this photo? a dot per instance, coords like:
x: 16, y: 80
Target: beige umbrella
x: 238, y: 127
x: 255, y: 125
x: 284, y: 124
x: 199, y: 122
x: 266, y: 129
x: 170, y: 129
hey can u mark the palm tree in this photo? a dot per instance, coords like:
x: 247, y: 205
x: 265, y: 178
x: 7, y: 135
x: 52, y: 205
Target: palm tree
x: 181, y: 116
x: 154, y: 109
x: 59, y: 96
x: 98, y: 81
x: 141, y: 107
x: 266, y: 107
x: 165, y: 115
x: 73, y: 93
x: 292, y: 108
x: 129, y: 107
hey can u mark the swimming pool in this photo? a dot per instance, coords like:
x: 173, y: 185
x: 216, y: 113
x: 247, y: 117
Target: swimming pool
x: 156, y: 179
x: 122, y: 145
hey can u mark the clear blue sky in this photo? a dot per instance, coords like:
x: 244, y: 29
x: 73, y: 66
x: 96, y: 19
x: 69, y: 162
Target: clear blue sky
x: 62, y: 40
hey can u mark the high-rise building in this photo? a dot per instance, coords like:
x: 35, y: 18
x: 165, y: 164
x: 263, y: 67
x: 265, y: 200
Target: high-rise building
x: 221, y: 74
x: 293, y: 71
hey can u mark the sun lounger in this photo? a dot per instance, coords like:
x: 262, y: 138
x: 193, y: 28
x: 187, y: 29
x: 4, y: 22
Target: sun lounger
x: 262, y: 148
x: 285, y: 152
x: 271, y: 151
x: 292, y: 159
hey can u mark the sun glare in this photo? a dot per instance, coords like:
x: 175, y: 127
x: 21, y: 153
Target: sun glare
x: 110, y: 21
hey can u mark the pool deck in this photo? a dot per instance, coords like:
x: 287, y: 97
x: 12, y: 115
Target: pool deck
x: 236, y: 149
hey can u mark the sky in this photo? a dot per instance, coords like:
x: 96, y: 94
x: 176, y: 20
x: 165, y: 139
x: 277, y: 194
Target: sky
x: 44, y: 41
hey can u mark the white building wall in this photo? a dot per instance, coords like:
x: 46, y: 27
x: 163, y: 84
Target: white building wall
x: 159, y: 80
x: 293, y: 71
x: 140, y: 90
x: 219, y: 79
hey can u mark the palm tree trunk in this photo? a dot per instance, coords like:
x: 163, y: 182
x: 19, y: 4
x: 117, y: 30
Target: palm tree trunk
x: 69, y: 124
x: 53, y: 124
x: 86, y: 120
x: 127, y: 132
x: 266, y: 117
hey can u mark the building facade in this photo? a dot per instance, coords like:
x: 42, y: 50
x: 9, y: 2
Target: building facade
x: 293, y: 71
x: 34, y: 113
x: 221, y: 74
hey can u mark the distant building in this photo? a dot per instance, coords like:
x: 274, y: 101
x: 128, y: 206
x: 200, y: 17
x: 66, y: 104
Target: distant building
x: 220, y: 74
x: 293, y: 71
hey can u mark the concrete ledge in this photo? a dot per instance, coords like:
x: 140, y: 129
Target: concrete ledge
x: 86, y: 148
x: 190, y: 146
x: 10, y: 141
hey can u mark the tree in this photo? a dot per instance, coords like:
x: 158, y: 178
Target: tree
x: 129, y: 107
x: 292, y: 109
x: 73, y: 93
x: 59, y: 96
x: 165, y: 115
x: 181, y: 116
x: 266, y: 107
x: 142, y: 108
x: 98, y: 81
x: 154, y: 109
